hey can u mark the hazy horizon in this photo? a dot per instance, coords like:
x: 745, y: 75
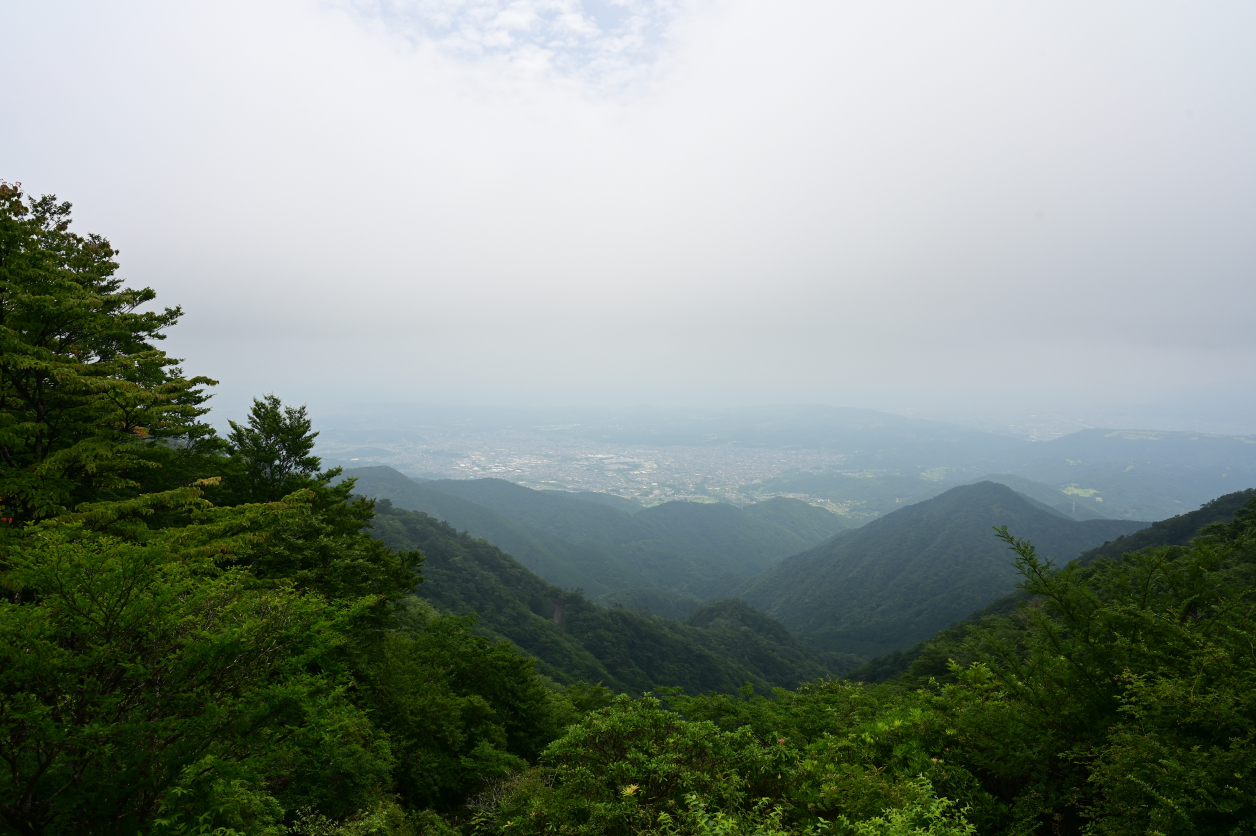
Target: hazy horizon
x: 975, y: 213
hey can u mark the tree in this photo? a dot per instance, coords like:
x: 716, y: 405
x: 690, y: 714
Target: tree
x: 87, y: 403
x: 1128, y: 705
x: 275, y: 448
x: 144, y: 676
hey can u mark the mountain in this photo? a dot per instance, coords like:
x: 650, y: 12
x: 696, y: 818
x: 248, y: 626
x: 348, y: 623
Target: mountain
x: 1175, y: 531
x: 1071, y: 506
x: 723, y: 538
x: 866, y: 496
x: 702, y: 549
x: 929, y: 658
x: 651, y: 599
x: 707, y: 548
x: 622, y: 503
x: 591, y: 567
x: 1141, y: 474
x: 905, y: 576
x: 1090, y: 474
x: 556, y: 512
x: 721, y: 647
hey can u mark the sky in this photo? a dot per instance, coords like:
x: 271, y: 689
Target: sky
x: 912, y: 206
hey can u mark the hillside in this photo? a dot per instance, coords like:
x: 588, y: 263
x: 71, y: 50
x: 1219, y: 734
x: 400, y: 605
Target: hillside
x: 911, y: 573
x: 587, y: 566
x: 1175, y: 531
x: 702, y: 549
x: 929, y: 658
x: 721, y: 538
x: 651, y: 599
x: 723, y: 646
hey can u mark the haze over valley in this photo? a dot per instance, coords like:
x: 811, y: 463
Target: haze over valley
x: 857, y: 463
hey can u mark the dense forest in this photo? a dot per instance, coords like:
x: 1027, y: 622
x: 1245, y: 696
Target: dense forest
x: 205, y: 634
x: 721, y: 646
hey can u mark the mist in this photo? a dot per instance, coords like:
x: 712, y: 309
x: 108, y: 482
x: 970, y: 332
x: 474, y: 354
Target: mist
x: 901, y: 206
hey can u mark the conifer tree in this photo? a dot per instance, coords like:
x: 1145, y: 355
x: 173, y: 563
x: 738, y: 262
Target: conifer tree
x: 85, y: 396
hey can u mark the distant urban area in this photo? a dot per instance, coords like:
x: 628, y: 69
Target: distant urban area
x: 550, y: 458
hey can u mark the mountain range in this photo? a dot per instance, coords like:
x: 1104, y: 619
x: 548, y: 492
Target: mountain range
x: 720, y: 647
x: 930, y: 658
x: 857, y: 592
x: 901, y: 578
x: 869, y: 463
x: 701, y: 549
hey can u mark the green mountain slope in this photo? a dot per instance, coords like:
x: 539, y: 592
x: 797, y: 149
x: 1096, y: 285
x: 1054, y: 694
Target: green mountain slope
x: 724, y: 646
x: 905, y: 576
x: 720, y: 538
x: 706, y: 548
x: 651, y: 599
x: 929, y: 658
x: 556, y: 512
x: 805, y: 521
x: 589, y: 566
x: 1175, y: 531
x: 621, y: 503
x: 701, y: 549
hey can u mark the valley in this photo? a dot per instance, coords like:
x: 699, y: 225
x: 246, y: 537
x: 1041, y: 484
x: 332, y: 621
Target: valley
x: 857, y: 592
x: 859, y: 464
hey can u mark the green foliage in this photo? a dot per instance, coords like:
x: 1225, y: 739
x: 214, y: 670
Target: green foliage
x: 326, y: 548
x: 141, y: 674
x: 697, y: 819
x: 858, y: 762
x: 1126, y: 704
x: 459, y: 708
x: 1122, y: 704
x: 623, y: 767
x: 87, y: 403
x: 275, y: 449
x: 653, y: 600
x: 921, y: 814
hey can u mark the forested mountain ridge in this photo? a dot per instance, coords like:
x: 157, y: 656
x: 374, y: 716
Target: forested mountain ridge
x: 903, y: 577
x: 591, y: 567
x: 1071, y: 506
x: 1179, y: 530
x: 929, y: 658
x: 741, y: 540
x: 703, y: 549
x: 722, y: 647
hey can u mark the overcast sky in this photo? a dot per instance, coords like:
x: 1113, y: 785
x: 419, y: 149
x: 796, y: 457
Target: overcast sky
x: 879, y: 204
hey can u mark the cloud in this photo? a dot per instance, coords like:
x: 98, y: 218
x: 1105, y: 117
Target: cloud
x: 691, y: 201
x: 593, y: 41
